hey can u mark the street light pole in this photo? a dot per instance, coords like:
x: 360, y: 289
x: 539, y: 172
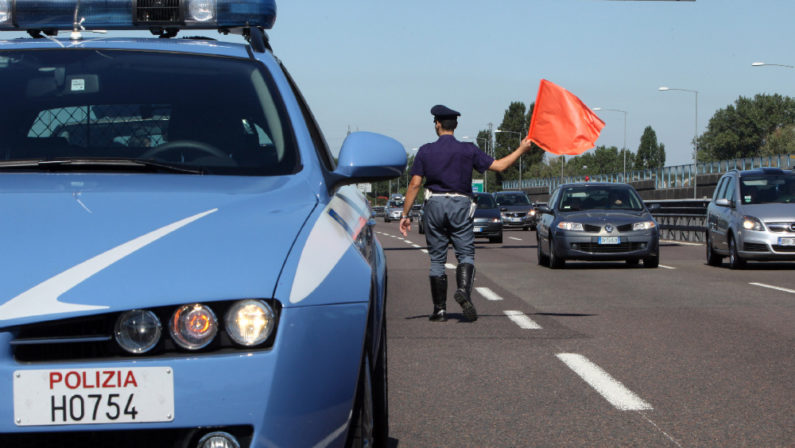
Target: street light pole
x: 695, y: 138
x: 520, y: 157
x: 625, y: 135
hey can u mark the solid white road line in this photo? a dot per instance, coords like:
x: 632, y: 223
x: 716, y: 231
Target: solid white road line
x: 777, y: 288
x: 609, y: 388
x: 514, y: 238
x: 416, y: 246
x: 521, y: 319
x: 683, y: 243
x: 450, y: 266
x: 666, y: 267
x: 487, y: 293
x: 424, y: 250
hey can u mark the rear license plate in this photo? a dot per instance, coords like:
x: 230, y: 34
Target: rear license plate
x: 93, y: 396
x: 786, y: 241
x: 478, y: 229
x: 609, y: 240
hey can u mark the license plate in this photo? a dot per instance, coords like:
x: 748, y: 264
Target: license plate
x: 93, y: 396
x: 609, y: 240
x: 478, y: 229
x: 786, y: 241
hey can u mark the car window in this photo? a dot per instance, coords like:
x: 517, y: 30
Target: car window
x: 765, y: 189
x: 605, y: 198
x: 485, y: 201
x: 512, y: 199
x: 221, y: 114
x: 728, y: 193
x: 718, y: 194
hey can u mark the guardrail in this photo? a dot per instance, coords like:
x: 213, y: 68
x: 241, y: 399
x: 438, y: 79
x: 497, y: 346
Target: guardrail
x: 681, y: 219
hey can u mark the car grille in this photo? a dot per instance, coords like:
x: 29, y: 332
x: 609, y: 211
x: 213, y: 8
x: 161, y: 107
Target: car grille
x: 625, y: 228
x: 591, y: 228
x: 596, y: 248
x: 779, y: 227
x: 514, y: 214
x: 778, y: 248
x: 158, y: 11
x: 91, y: 337
x: 754, y: 247
x: 149, y: 438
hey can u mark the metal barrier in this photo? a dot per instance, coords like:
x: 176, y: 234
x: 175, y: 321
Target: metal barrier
x: 681, y: 219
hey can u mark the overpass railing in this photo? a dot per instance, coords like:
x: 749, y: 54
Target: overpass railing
x: 681, y: 219
x: 677, y: 176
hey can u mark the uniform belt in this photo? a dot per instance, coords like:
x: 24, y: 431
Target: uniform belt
x: 429, y: 194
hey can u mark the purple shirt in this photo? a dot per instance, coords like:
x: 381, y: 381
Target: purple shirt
x: 447, y: 165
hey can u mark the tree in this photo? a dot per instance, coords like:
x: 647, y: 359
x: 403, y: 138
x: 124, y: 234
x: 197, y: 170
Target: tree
x: 650, y: 154
x: 514, y: 122
x: 781, y: 141
x: 743, y: 129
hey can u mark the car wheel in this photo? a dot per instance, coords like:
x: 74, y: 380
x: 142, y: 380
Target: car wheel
x: 525, y: 228
x: 381, y: 393
x: 543, y: 260
x: 362, y: 430
x: 555, y: 262
x: 420, y: 228
x: 496, y: 239
x: 651, y: 262
x: 735, y: 262
x: 713, y: 259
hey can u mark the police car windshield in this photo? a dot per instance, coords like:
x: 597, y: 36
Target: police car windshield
x: 220, y: 115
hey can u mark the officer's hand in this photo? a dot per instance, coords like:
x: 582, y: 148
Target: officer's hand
x: 405, y: 226
x: 526, y: 143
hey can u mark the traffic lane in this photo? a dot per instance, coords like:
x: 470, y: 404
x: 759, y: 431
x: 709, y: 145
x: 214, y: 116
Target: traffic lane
x: 487, y: 383
x: 692, y: 350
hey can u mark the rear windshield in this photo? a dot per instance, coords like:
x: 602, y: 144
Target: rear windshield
x: 220, y: 115
x: 606, y: 198
x: 767, y: 189
x: 512, y: 199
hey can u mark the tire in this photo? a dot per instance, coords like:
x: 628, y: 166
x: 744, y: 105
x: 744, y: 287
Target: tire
x: 525, y: 228
x: 543, y: 260
x: 651, y: 262
x: 713, y: 259
x: 496, y: 239
x: 555, y: 262
x: 735, y: 262
x: 420, y: 227
x: 361, y: 433
x: 381, y: 393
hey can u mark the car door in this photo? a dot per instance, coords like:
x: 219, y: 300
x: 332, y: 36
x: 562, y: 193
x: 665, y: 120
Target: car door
x: 544, y: 223
x: 724, y: 216
x: 713, y: 211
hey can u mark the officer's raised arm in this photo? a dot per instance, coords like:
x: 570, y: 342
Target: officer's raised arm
x: 500, y: 165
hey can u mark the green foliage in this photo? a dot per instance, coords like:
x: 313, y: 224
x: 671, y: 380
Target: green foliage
x: 748, y: 126
x: 650, y: 153
x: 781, y: 141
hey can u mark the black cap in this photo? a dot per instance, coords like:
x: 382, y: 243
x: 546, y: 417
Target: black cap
x: 443, y: 112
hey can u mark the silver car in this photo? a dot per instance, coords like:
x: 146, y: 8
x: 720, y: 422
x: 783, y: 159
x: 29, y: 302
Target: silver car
x: 752, y: 217
x: 597, y: 221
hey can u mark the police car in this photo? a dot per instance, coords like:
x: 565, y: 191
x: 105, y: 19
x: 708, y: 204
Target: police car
x: 184, y: 263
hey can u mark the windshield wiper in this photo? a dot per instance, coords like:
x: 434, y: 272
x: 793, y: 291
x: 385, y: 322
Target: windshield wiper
x: 97, y: 165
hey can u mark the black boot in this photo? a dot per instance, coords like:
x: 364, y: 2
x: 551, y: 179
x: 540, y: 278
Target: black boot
x: 439, y: 296
x: 465, y: 276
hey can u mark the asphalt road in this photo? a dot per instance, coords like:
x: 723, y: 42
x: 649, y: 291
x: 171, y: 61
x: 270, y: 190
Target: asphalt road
x: 594, y: 355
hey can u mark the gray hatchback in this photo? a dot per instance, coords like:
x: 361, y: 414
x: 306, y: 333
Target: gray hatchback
x: 752, y: 217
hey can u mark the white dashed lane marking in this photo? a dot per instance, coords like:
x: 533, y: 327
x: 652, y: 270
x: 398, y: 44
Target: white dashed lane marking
x: 521, y: 319
x: 487, y: 293
x: 666, y: 267
x: 777, y: 288
x: 608, y: 387
x: 514, y: 238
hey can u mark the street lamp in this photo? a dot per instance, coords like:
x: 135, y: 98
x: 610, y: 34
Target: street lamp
x: 762, y: 64
x: 520, y: 157
x: 695, y: 137
x: 625, y: 135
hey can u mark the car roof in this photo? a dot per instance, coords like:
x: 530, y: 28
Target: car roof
x: 763, y: 171
x: 596, y: 184
x: 207, y: 45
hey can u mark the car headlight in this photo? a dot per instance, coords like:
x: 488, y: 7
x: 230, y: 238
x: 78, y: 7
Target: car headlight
x: 250, y: 322
x: 751, y: 223
x: 137, y: 331
x: 193, y: 326
x: 495, y: 219
x: 575, y: 226
x: 532, y: 213
x: 645, y: 225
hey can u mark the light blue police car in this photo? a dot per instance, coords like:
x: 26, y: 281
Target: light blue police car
x: 184, y: 263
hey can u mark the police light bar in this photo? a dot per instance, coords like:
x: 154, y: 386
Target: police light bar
x: 135, y: 14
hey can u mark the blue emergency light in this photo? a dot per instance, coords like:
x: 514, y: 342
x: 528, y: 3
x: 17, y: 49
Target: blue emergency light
x: 135, y: 14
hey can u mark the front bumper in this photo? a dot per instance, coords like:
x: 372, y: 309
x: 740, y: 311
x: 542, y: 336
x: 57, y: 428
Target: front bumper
x: 517, y: 222
x: 487, y: 229
x: 586, y: 246
x: 768, y: 246
x: 298, y: 393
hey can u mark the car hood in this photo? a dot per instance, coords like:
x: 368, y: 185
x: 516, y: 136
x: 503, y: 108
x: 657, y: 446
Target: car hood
x: 770, y: 212
x: 606, y: 216
x: 83, y: 244
x: 487, y: 213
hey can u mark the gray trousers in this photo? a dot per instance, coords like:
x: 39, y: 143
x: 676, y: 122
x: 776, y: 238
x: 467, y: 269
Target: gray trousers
x: 446, y: 222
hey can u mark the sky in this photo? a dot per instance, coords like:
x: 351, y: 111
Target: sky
x: 379, y: 66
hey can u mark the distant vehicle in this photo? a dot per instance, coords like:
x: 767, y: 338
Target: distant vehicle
x: 597, y: 221
x: 393, y: 209
x: 488, y: 223
x: 516, y: 210
x: 752, y: 217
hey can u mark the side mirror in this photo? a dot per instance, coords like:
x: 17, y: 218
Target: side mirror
x: 723, y: 202
x: 369, y: 157
x: 543, y: 209
x: 653, y: 207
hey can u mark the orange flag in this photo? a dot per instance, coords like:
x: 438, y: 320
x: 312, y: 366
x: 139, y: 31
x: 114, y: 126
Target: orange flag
x: 561, y: 123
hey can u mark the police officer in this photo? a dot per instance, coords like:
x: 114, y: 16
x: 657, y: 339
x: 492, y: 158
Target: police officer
x: 447, y: 165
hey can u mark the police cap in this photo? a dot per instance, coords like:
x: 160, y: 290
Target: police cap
x: 443, y: 112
